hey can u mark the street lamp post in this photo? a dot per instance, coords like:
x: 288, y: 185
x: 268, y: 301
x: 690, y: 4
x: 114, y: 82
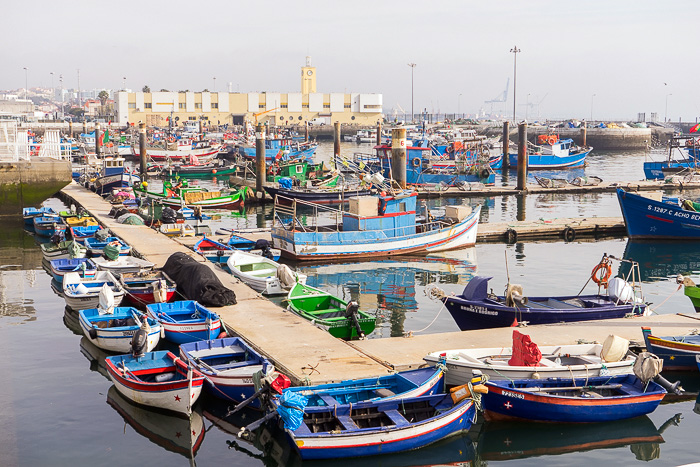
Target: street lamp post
x: 26, y: 72
x: 123, y: 83
x: 412, y: 65
x: 53, y: 90
x: 214, y: 90
x: 515, y: 50
x: 592, y: 96
x: 459, y: 99
x: 60, y: 80
x: 527, y: 105
x: 666, y: 111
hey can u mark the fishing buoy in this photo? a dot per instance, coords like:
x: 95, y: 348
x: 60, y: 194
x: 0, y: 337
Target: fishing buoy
x: 213, y: 171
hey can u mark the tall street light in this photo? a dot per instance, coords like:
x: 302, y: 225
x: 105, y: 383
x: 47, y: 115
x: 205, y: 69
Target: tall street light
x: 666, y: 111
x: 214, y: 90
x: 53, y: 90
x: 26, y: 72
x: 60, y: 80
x: 412, y: 65
x: 592, y: 107
x: 124, y: 83
x: 459, y: 99
x: 515, y: 50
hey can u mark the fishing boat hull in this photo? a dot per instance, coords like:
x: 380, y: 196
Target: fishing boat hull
x: 677, y: 352
x: 203, y: 154
x: 79, y: 298
x: 114, y: 332
x: 209, y: 171
x: 59, y: 267
x: 49, y: 226
x: 318, y: 196
x: 176, y: 395
x: 123, y: 264
x: 28, y: 214
x: 258, y: 272
x: 563, y: 361
x: 519, y: 399
x: 400, y: 435
x: 79, y: 233
x: 647, y: 218
x: 61, y: 250
x: 693, y: 293
x: 549, y: 162
x: 229, y: 365
x: 95, y: 247
x: 179, y: 325
x: 144, y: 288
x: 343, y: 245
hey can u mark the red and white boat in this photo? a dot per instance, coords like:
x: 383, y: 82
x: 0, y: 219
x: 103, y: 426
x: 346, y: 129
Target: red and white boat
x: 185, y: 150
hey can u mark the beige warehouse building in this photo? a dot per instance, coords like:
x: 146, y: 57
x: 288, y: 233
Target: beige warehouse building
x: 234, y: 108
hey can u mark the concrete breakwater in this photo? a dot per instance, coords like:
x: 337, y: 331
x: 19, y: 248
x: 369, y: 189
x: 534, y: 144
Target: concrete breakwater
x: 28, y: 183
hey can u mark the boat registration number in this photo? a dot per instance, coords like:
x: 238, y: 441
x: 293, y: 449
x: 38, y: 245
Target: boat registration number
x: 513, y: 394
x: 671, y: 212
x: 482, y: 310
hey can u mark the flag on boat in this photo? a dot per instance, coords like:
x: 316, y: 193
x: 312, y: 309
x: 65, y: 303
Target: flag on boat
x: 105, y: 139
x: 695, y: 128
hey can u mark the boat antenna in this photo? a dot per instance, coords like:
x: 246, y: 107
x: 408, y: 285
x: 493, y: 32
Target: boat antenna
x: 505, y: 253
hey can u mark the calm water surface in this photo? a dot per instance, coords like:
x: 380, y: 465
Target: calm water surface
x: 57, y: 408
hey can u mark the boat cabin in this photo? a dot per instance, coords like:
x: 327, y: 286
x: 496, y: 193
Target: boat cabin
x: 394, y: 215
x: 112, y: 166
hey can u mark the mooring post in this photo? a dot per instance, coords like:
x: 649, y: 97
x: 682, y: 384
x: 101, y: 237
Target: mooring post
x: 506, y: 146
x: 70, y: 128
x: 398, y: 156
x: 84, y: 127
x: 259, y: 159
x: 379, y: 133
x: 98, y: 144
x: 306, y: 131
x: 336, y: 139
x: 142, y: 152
x: 522, y: 156
x: 583, y: 133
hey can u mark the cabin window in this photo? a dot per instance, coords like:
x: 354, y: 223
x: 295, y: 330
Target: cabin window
x: 148, y: 105
x: 402, y: 206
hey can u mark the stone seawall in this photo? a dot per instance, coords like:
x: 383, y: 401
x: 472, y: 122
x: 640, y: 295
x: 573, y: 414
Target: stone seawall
x: 28, y: 183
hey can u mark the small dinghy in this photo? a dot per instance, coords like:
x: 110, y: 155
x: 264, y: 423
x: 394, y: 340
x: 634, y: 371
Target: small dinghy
x: 378, y: 427
x: 341, y: 319
x: 66, y: 249
x: 262, y: 274
x: 145, y: 288
x: 96, y: 247
x: 114, y: 331
x: 677, y: 352
x: 257, y: 247
x: 561, y: 361
x: 79, y: 233
x: 83, y: 266
x: 410, y: 383
x: 123, y: 264
x: 83, y: 293
x: 28, y: 214
x: 214, y: 251
x: 186, y: 321
x: 158, y: 379
x: 566, y: 400
x: 228, y: 365
x: 177, y: 230
x: 80, y: 221
x: 48, y: 226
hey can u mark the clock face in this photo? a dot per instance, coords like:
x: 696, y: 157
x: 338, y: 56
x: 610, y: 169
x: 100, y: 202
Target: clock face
x: 309, y: 72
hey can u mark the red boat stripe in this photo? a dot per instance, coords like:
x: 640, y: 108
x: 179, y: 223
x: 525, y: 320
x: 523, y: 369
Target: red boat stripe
x: 659, y: 219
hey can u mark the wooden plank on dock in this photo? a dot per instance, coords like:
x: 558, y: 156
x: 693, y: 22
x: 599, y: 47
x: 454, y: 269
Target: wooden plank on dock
x: 568, y: 229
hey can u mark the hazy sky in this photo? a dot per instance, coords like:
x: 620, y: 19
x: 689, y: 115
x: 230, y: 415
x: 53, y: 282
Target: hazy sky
x: 630, y: 53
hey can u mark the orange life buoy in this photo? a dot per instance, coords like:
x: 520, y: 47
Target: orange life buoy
x: 602, y: 278
x: 552, y: 140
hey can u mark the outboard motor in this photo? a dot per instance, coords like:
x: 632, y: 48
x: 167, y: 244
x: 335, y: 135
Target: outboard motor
x: 351, y: 312
x: 58, y: 237
x: 139, y: 342
x: 264, y: 245
x: 648, y: 367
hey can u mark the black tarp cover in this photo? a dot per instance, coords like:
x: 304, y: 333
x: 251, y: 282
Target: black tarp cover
x: 195, y: 281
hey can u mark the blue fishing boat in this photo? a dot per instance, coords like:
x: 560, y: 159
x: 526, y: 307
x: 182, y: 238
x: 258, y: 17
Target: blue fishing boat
x: 677, y: 352
x: 566, y: 400
x: 374, y: 226
x: 95, y: 247
x: 81, y: 293
x: 379, y: 427
x: 114, y: 175
x: 410, y: 383
x: 282, y: 149
x: 256, y: 247
x: 660, y: 217
x: 83, y: 266
x: 80, y: 233
x: 186, y: 321
x: 553, y: 153
x: 48, y: 226
x: 28, y: 214
x: 228, y: 364
x: 682, y: 157
x: 114, y: 331
x: 158, y: 379
x: 214, y: 251
x: 477, y: 308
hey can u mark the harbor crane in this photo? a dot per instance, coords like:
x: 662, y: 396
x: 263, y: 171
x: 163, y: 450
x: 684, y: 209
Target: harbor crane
x: 262, y: 113
x: 502, y: 97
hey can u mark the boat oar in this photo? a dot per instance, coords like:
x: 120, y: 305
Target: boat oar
x: 256, y: 424
x: 249, y: 400
x: 570, y: 388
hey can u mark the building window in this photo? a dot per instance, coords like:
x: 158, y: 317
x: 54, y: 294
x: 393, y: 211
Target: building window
x: 299, y: 117
x: 191, y: 118
x: 148, y: 105
x: 347, y: 106
x: 352, y: 118
x: 281, y: 117
x: 261, y: 106
x: 326, y: 106
x: 372, y: 106
x: 214, y: 105
x: 283, y: 106
x: 132, y: 105
x: 198, y: 105
x: 304, y: 106
x: 181, y: 105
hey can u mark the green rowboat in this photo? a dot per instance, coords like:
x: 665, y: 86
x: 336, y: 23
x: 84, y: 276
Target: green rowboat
x: 691, y: 291
x: 342, y: 319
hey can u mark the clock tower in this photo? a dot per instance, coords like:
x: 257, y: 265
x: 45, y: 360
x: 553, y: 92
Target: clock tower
x: 308, y: 78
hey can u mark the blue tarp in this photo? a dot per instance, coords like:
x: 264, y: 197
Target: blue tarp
x: 285, y: 183
x: 291, y: 409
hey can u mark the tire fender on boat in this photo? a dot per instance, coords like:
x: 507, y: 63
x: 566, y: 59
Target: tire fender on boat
x: 416, y: 162
x: 511, y: 236
x: 569, y: 234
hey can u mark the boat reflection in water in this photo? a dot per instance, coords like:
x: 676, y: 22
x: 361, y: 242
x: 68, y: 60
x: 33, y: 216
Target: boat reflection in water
x: 662, y: 260
x: 71, y: 319
x: 394, y: 287
x: 173, y: 433
x: 270, y: 445
x: 96, y: 357
x: 519, y: 440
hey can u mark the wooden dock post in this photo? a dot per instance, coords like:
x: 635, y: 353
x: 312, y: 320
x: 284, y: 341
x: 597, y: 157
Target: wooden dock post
x: 506, y: 145
x: 70, y: 129
x: 583, y: 133
x: 336, y: 139
x: 142, y: 152
x: 306, y: 131
x: 260, y: 159
x: 398, y: 156
x: 522, y: 156
x: 98, y: 127
x: 379, y: 133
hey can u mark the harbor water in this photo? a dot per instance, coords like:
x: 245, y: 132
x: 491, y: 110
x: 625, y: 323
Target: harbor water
x: 58, y: 407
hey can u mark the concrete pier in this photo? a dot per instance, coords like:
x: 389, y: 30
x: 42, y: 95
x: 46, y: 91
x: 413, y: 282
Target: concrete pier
x: 28, y: 183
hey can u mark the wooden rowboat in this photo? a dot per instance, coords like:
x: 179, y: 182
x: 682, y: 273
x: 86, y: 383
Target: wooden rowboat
x: 186, y: 321
x: 114, y: 331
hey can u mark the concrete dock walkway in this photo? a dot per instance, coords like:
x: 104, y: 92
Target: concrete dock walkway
x: 308, y: 354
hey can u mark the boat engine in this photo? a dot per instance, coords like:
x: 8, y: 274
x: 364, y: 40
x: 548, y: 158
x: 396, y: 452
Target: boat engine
x: 351, y: 313
x: 648, y: 367
x: 139, y: 342
x: 514, y: 295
